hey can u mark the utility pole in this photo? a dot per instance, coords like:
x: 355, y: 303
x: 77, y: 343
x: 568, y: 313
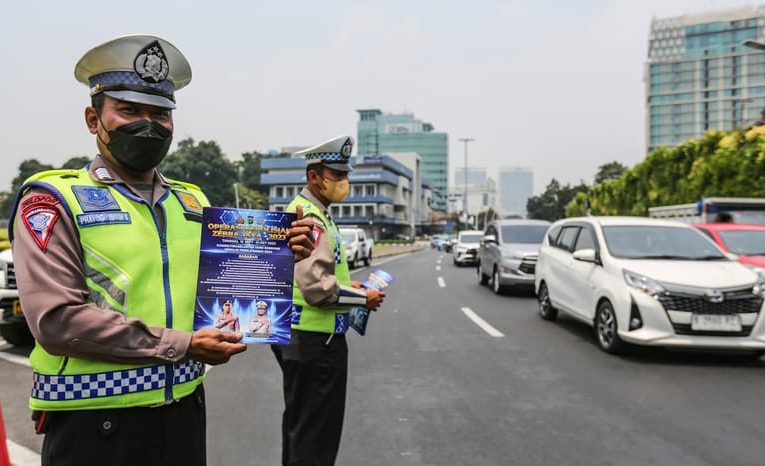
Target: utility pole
x: 466, y: 141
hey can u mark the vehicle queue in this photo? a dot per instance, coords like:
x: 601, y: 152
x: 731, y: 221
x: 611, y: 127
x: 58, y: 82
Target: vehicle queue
x: 635, y: 281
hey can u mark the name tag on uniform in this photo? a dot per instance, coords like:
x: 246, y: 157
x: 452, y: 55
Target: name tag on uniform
x: 102, y: 218
x: 95, y: 199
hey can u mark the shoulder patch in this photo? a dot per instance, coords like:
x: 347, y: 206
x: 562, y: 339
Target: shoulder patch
x: 95, y: 199
x: 39, y: 218
x: 103, y: 174
x: 39, y: 199
x: 189, y: 202
x: 316, y: 234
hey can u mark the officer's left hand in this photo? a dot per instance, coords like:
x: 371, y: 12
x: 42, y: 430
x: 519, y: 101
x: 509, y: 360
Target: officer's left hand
x: 300, y: 236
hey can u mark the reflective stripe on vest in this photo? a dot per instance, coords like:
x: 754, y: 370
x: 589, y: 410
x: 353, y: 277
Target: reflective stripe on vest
x: 133, y: 268
x: 314, y: 319
x: 78, y: 387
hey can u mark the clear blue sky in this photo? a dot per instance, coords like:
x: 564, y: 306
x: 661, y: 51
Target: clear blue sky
x: 552, y: 85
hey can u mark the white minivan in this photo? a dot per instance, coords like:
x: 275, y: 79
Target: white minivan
x: 649, y: 282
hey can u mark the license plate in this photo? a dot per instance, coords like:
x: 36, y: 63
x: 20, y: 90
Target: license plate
x: 716, y: 323
x: 16, y: 307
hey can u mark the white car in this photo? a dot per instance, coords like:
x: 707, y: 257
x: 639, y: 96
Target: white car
x: 465, y: 249
x: 649, y: 282
x: 358, y: 246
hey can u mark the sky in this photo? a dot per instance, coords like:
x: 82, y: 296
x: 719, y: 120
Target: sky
x: 556, y: 86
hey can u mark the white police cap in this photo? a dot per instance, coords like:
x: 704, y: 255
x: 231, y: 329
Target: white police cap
x: 334, y: 153
x: 139, y: 68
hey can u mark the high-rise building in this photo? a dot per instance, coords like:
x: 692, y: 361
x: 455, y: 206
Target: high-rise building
x: 700, y: 76
x: 516, y: 186
x: 380, y: 133
x: 474, y: 176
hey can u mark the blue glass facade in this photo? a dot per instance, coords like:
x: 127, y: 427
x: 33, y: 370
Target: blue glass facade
x: 700, y: 76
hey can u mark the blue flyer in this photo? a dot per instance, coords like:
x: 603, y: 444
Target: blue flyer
x: 378, y: 280
x: 245, y: 274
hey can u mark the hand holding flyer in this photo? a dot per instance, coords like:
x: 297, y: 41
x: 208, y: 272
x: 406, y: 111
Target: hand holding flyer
x: 378, y: 280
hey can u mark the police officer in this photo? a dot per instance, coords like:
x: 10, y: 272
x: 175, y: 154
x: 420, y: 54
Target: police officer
x: 106, y: 263
x: 315, y: 363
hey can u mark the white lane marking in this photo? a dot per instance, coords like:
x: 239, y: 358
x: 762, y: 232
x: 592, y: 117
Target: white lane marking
x: 441, y: 282
x: 22, y: 456
x: 485, y: 326
x: 15, y: 358
x: 438, y: 268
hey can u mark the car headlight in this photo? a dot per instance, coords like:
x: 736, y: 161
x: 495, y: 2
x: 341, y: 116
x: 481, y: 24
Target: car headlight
x: 462, y: 248
x: 759, y: 286
x: 647, y: 285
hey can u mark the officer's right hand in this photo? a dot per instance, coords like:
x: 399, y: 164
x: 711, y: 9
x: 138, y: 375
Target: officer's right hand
x: 374, y: 299
x: 212, y: 346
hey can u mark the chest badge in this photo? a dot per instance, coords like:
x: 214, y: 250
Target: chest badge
x: 95, y: 199
x: 189, y: 202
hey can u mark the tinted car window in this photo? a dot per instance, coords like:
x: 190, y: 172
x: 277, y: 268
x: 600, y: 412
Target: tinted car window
x: 567, y: 238
x: 529, y: 234
x: 745, y: 242
x: 585, y: 240
x: 552, y: 235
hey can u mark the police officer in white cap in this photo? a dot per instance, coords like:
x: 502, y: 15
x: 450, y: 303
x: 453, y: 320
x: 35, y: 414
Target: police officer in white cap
x: 106, y: 263
x: 315, y: 363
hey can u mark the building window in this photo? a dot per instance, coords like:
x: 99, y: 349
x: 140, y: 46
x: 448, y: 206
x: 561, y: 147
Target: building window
x: 279, y: 208
x: 290, y: 191
x: 369, y: 211
x: 358, y: 191
x: 346, y: 211
x: 358, y: 211
x: 279, y: 191
x: 335, y: 210
x: 370, y: 190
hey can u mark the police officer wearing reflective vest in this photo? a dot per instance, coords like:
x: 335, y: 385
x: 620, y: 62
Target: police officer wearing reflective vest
x: 106, y: 260
x: 315, y: 363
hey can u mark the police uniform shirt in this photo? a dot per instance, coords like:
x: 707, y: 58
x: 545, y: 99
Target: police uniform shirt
x: 55, y: 293
x: 315, y: 275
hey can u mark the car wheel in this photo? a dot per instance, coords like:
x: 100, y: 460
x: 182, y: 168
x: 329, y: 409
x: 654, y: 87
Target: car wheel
x: 483, y: 279
x: 606, y: 329
x: 368, y: 259
x: 16, y: 333
x: 352, y: 264
x: 546, y: 309
x: 495, y: 284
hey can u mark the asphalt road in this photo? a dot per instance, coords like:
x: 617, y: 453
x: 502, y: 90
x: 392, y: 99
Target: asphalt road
x: 429, y: 386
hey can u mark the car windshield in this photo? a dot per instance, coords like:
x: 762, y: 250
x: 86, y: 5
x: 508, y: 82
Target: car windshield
x: 744, y: 242
x: 530, y: 234
x: 474, y: 238
x: 659, y: 242
x: 348, y: 236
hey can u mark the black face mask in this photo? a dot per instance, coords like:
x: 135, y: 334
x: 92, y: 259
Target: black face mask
x: 140, y: 145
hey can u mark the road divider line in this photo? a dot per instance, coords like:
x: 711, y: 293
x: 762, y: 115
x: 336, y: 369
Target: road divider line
x: 22, y: 456
x: 441, y: 282
x: 438, y: 268
x: 15, y: 358
x: 485, y: 326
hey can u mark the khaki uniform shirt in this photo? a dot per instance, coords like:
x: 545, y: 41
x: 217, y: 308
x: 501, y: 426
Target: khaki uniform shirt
x: 54, y: 295
x: 315, y: 275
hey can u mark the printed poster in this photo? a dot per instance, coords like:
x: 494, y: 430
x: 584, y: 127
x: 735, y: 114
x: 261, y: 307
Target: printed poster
x: 245, y: 274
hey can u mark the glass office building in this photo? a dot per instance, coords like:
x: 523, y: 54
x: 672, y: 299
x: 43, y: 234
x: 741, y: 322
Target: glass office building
x: 380, y: 133
x: 700, y: 76
x: 516, y: 186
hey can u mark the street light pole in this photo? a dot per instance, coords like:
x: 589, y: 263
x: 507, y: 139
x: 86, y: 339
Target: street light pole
x: 466, y: 141
x: 236, y: 194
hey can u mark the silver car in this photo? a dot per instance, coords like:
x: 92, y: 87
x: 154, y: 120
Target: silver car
x: 508, y: 253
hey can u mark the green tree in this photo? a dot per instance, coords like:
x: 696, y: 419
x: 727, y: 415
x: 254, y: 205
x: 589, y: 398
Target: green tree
x: 609, y: 171
x: 76, y: 162
x: 206, y: 165
x: 252, y: 199
x: 551, y: 204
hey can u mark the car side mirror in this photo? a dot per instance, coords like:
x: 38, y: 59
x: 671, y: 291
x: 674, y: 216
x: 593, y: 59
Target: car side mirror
x: 586, y: 255
x: 489, y: 239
